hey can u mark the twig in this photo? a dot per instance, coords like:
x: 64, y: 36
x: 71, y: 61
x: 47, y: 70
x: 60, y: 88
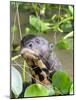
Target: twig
x: 68, y: 35
x: 19, y: 22
x: 35, y: 10
x: 24, y: 70
x: 55, y: 39
x: 64, y: 20
x: 15, y: 57
x: 14, y: 25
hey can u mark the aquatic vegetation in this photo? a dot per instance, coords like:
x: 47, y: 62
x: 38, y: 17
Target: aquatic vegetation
x: 41, y: 19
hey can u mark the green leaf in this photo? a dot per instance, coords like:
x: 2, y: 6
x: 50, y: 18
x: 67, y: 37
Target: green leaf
x: 14, y: 28
x: 15, y: 57
x: 36, y: 90
x: 53, y: 17
x: 35, y: 22
x: 71, y: 9
x: 31, y: 30
x: 66, y: 26
x: 63, y: 44
x: 16, y: 82
x: 27, y: 29
x: 60, y: 30
x: 71, y: 34
x: 71, y: 89
x: 51, y: 91
x: 42, y: 10
x: 61, y: 81
x: 38, y: 24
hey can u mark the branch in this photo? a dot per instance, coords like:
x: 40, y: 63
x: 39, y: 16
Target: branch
x: 15, y: 57
x: 19, y: 22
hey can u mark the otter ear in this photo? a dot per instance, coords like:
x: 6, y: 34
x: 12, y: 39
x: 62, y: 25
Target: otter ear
x: 51, y: 46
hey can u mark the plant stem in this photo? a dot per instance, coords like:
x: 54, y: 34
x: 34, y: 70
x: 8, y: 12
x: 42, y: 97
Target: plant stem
x: 68, y: 35
x: 23, y: 71
x: 15, y: 57
x: 59, y: 11
x: 55, y: 26
x: 14, y: 25
x: 57, y: 91
x: 64, y: 20
x: 34, y: 7
x: 19, y: 21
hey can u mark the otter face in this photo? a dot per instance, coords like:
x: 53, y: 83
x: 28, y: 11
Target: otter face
x: 37, y: 44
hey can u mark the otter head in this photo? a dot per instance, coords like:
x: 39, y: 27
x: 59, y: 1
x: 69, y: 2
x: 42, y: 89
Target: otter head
x: 37, y: 44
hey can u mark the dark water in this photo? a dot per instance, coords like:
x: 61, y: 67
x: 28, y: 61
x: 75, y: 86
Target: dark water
x: 66, y: 58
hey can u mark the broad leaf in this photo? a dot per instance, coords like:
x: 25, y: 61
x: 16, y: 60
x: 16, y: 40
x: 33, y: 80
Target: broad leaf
x: 14, y: 28
x: 16, y: 81
x: 38, y: 24
x: 66, y: 26
x: 72, y: 89
x: 51, y: 91
x: 62, y: 82
x: 36, y: 90
x: 63, y: 44
x: 71, y: 9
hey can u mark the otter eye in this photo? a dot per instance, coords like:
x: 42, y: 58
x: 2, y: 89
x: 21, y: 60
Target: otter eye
x: 37, y: 41
x: 30, y: 45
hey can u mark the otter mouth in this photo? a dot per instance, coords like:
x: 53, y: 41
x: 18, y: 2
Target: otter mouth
x: 32, y: 56
x: 29, y: 54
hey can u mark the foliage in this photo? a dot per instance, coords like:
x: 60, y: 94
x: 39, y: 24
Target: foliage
x: 66, y: 26
x: 71, y: 9
x: 51, y: 91
x: 43, y: 18
x: 16, y: 83
x: 72, y: 89
x: 58, y: 23
x: 62, y: 82
x: 38, y: 24
x: 14, y: 28
x: 46, y: 17
x: 63, y: 44
x: 36, y: 90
